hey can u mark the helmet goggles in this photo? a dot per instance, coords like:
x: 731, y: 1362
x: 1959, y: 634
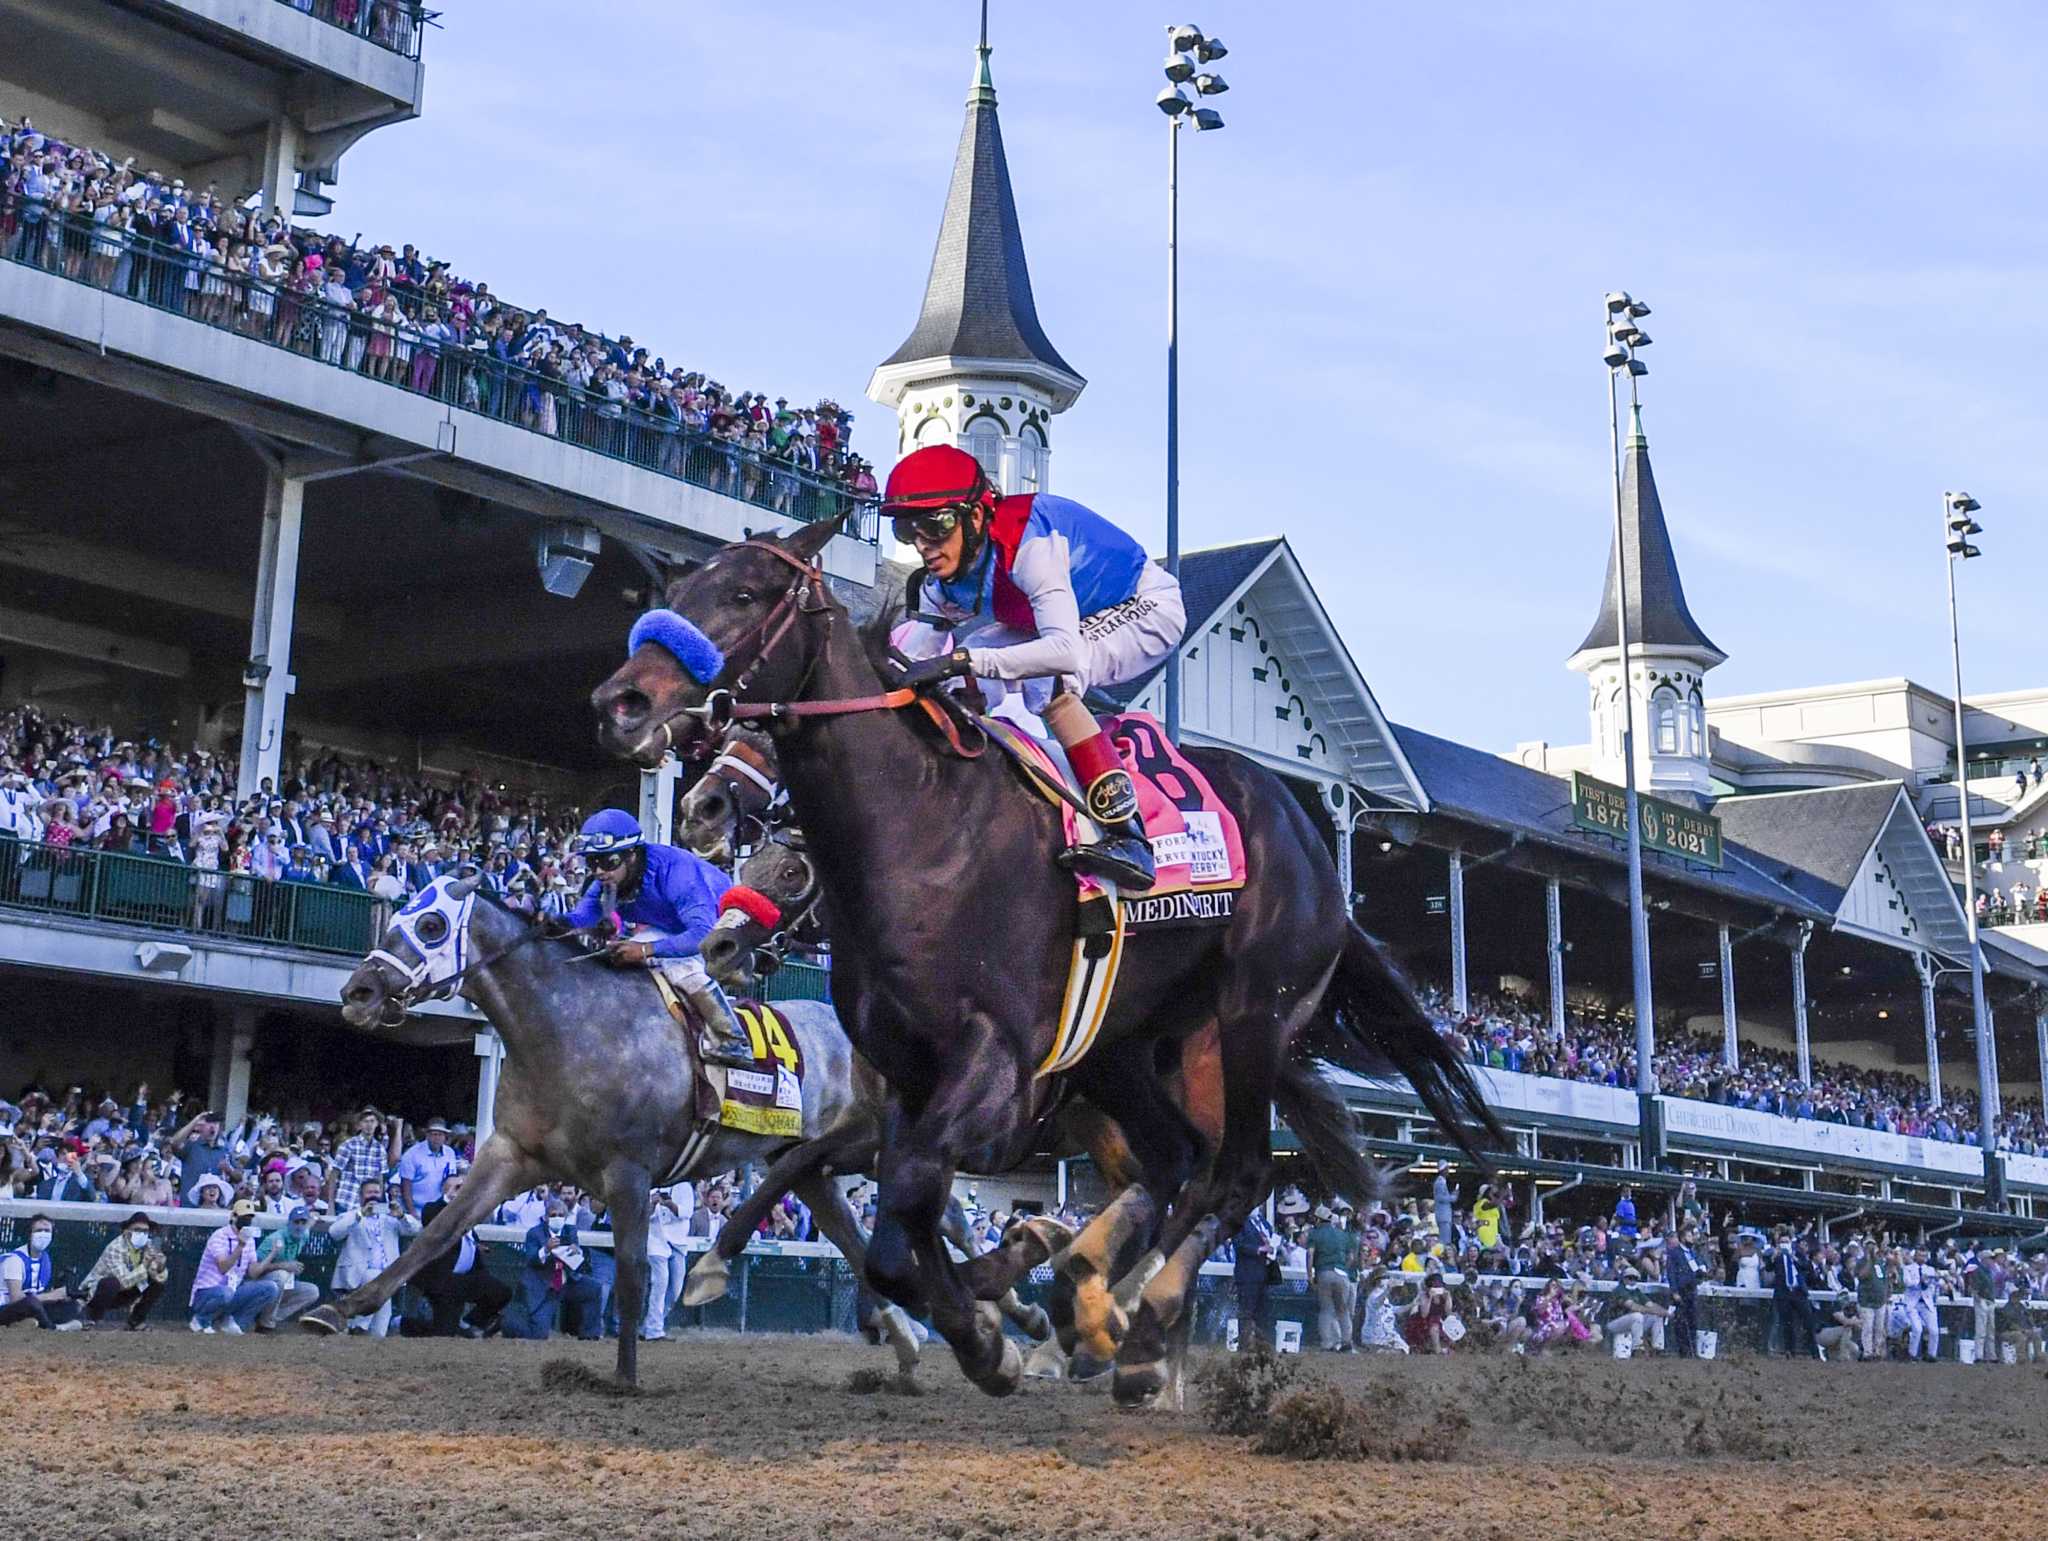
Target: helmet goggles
x: 928, y: 526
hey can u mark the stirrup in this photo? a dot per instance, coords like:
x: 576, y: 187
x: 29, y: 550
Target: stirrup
x: 734, y: 1053
x: 1125, y: 860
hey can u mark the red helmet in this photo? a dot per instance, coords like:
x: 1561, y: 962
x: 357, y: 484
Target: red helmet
x: 937, y: 476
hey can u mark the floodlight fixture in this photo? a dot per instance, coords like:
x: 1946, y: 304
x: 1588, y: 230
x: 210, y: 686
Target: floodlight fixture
x: 1638, y: 368
x: 1179, y: 68
x: 1211, y: 85
x: 1184, y: 38
x: 1618, y: 301
x: 1615, y: 356
x: 1172, y: 103
x: 1961, y: 502
x: 1207, y: 118
x: 1210, y: 49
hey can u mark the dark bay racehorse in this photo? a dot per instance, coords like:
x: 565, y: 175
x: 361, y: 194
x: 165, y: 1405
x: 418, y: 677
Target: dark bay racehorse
x: 952, y: 927
x: 597, y: 1086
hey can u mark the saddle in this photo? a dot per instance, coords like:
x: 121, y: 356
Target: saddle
x: 1195, y: 840
x: 766, y: 1100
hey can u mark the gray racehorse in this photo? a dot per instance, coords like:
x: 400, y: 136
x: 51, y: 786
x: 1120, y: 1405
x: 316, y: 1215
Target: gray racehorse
x: 596, y: 1088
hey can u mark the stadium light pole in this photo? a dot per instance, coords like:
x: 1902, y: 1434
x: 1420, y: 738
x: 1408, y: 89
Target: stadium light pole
x: 1187, y: 51
x: 1958, y: 524
x: 1624, y: 338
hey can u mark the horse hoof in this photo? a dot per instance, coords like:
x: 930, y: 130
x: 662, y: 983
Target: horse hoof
x: 1054, y: 1237
x: 1045, y: 1362
x: 1084, y: 1367
x: 707, y: 1281
x: 1139, y: 1385
x: 323, y: 1321
x: 1009, y: 1370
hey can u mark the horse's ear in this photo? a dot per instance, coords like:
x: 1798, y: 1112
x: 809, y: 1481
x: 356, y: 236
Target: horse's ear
x: 462, y: 888
x: 813, y: 538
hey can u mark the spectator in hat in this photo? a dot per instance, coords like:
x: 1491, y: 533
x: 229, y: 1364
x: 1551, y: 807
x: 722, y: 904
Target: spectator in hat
x: 224, y: 1296
x: 1333, y: 1264
x: 1981, y: 1282
x: 424, y: 1170
x: 131, y: 1272
x: 1633, y: 1315
x: 279, y: 1257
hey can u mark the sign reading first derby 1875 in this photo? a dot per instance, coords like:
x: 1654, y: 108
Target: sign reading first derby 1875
x: 1665, y: 826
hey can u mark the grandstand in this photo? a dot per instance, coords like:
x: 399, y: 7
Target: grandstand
x: 231, y: 545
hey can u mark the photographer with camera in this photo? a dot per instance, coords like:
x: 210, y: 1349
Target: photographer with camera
x: 131, y: 1272
x: 557, y: 1275
x: 368, y: 1236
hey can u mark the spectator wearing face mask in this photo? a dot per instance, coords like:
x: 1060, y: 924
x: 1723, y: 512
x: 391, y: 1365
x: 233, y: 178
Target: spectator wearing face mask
x: 369, y: 1237
x: 557, y: 1276
x: 131, y: 1272
x: 26, y: 1294
x: 224, y: 1296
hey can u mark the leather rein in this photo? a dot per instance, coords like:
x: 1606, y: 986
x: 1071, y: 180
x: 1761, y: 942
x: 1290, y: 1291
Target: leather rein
x: 805, y: 596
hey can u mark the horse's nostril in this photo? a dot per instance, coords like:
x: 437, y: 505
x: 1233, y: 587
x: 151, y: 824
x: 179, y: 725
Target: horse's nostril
x: 628, y: 708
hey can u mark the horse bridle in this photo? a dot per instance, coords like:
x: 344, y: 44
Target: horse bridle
x: 418, y: 987
x: 805, y: 596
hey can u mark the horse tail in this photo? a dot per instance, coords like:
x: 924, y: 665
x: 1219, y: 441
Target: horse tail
x: 1371, y: 1020
x: 1329, y: 1138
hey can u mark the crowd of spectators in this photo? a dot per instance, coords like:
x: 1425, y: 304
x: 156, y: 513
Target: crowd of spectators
x: 408, y: 320
x: 392, y: 24
x: 68, y: 785
x: 1445, y: 1276
x: 366, y: 1182
x: 1508, y: 1034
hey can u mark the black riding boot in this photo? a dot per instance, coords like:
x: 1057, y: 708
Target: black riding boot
x: 1122, y: 856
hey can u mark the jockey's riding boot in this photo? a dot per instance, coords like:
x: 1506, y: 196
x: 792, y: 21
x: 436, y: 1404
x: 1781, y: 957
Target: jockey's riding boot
x: 1123, y: 855
x: 722, y: 1039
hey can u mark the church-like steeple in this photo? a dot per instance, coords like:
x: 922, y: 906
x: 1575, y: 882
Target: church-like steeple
x: 1669, y: 654
x: 978, y: 353
x: 1657, y: 614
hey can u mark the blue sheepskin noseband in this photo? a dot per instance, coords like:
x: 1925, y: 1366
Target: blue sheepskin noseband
x: 697, y: 653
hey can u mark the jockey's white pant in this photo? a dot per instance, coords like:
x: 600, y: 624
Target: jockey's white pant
x: 1121, y: 643
x: 686, y: 974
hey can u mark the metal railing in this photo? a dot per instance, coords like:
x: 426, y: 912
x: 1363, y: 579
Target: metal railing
x: 798, y: 982
x: 166, y: 895
x: 394, y: 24
x: 465, y: 377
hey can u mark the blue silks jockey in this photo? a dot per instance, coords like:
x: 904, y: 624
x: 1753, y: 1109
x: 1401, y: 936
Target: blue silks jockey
x: 667, y: 901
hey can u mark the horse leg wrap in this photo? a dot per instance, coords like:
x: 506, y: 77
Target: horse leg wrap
x: 1106, y: 786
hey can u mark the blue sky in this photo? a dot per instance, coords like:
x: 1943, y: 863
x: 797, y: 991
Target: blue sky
x: 1392, y: 264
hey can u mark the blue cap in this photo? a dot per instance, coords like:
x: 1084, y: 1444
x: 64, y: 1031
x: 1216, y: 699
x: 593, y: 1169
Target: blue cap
x: 609, y: 829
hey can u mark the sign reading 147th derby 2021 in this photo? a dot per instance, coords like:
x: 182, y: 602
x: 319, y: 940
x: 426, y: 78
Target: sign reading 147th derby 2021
x: 1666, y: 826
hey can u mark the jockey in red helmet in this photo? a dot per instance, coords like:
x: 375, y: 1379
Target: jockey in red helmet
x: 1038, y: 590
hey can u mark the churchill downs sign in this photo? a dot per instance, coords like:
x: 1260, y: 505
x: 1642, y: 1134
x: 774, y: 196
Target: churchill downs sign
x: 1191, y: 908
x: 1665, y: 827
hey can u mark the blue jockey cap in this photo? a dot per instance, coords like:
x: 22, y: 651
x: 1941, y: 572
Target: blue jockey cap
x: 609, y: 829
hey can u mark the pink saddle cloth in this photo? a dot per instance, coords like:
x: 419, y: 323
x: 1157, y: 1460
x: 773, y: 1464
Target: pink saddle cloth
x: 1195, y: 838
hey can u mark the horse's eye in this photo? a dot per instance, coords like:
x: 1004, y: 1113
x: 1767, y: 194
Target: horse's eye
x: 433, y: 929
x: 743, y: 596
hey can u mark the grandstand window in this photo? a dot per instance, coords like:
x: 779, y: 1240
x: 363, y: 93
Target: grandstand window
x: 1664, y: 722
x: 1030, y: 461
x: 985, y: 444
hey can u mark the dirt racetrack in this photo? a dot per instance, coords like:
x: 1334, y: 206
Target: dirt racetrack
x: 169, y: 1435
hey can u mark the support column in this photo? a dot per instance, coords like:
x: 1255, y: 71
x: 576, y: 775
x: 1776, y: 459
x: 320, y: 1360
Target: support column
x: 280, y: 165
x: 1731, y: 1049
x: 490, y: 1054
x: 658, y: 801
x: 1553, y: 936
x: 234, y: 1039
x: 1459, y: 997
x: 1925, y: 965
x: 1988, y: 1059
x: 2041, y: 1044
x: 1346, y: 827
x: 1799, y: 1003
x: 267, y: 677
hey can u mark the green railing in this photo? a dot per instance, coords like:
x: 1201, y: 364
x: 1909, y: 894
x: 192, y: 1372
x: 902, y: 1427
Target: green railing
x: 166, y: 895
x: 798, y: 982
x: 470, y: 379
